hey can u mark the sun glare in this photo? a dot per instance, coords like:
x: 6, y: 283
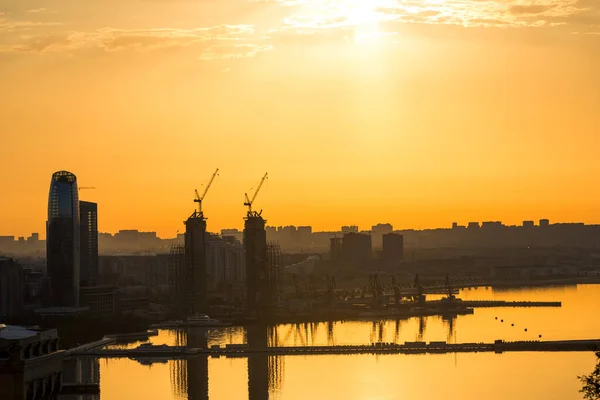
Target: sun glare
x: 362, y: 17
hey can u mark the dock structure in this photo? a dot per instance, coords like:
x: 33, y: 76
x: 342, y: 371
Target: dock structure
x: 499, y: 346
x: 502, y: 303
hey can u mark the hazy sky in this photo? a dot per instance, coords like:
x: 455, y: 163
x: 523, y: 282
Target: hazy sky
x: 414, y: 112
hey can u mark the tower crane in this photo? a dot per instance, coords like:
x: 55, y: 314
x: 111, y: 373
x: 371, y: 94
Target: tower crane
x: 199, y: 198
x: 86, y: 187
x: 249, y: 201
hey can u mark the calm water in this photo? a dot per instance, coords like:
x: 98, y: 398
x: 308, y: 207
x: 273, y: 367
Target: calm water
x: 448, y: 376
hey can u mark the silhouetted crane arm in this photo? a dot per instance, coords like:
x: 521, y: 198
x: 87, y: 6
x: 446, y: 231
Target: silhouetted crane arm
x: 249, y: 202
x: 258, y: 188
x: 209, y: 184
x: 199, y: 198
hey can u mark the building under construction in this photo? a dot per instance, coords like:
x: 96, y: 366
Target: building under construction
x: 195, y: 272
x: 255, y: 246
x: 261, y: 284
x: 193, y: 277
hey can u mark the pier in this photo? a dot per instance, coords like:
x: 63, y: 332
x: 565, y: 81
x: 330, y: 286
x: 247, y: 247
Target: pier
x: 240, y: 350
x: 501, y: 303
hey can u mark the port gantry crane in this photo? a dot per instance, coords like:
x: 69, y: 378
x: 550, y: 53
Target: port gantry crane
x: 249, y: 201
x: 199, y: 198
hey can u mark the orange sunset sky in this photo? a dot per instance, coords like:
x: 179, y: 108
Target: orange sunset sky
x: 413, y: 112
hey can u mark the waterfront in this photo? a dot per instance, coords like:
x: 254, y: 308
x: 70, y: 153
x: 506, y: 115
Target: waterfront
x: 452, y: 376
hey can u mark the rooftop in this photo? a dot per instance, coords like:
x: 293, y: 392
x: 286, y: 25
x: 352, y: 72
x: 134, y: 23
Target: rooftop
x: 13, y: 332
x: 60, y: 310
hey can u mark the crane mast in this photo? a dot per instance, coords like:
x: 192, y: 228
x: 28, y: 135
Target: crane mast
x: 199, y: 198
x: 249, y: 201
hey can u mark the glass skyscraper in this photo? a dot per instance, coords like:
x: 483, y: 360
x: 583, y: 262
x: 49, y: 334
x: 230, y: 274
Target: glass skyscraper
x: 62, y: 239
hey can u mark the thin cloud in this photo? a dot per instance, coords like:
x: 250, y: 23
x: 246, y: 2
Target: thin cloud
x: 233, y: 51
x: 12, y: 26
x: 112, y: 40
x: 37, y: 10
x: 529, y: 9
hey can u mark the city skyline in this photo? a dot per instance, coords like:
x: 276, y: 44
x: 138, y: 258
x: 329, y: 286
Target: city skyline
x: 419, y: 115
x: 361, y: 228
x: 365, y: 229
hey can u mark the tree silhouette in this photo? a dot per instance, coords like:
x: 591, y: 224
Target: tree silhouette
x: 591, y: 383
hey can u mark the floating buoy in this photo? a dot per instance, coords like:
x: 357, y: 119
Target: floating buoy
x: 525, y: 329
x: 501, y: 320
x: 496, y: 317
x: 540, y: 336
x: 512, y: 324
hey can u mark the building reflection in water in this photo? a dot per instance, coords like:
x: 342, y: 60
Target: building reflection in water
x: 189, y: 378
x: 265, y: 373
x: 82, y: 371
x: 397, y: 331
x: 422, y: 327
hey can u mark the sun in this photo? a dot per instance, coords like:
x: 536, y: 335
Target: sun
x: 363, y: 16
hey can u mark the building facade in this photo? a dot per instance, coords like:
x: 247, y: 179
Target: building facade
x: 336, y: 251
x: 11, y: 288
x: 393, y: 249
x: 99, y: 299
x: 255, y: 246
x: 195, y: 275
x: 62, y: 239
x: 88, y: 223
x: 31, y: 363
x: 224, y: 259
x: 357, y: 250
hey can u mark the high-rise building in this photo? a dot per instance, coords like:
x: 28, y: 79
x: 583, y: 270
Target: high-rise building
x: 357, y: 249
x: 11, y: 288
x: 224, y: 259
x: 336, y: 251
x: 88, y: 222
x: 544, y: 223
x: 255, y: 246
x: 99, y: 299
x: 62, y: 239
x: 393, y: 249
x: 195, y: 273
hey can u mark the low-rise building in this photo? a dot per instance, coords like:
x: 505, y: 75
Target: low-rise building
x: 30, y: 363
x: 99, y: 299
